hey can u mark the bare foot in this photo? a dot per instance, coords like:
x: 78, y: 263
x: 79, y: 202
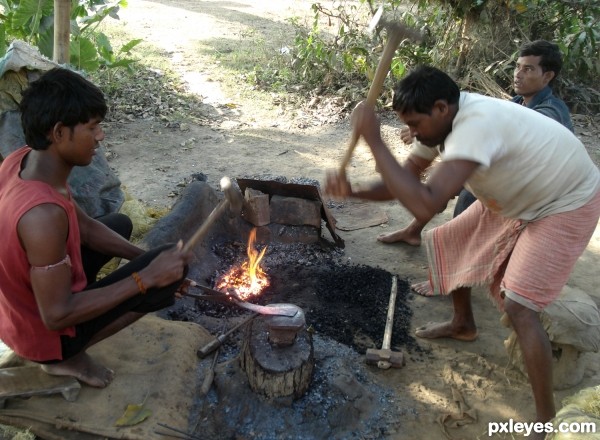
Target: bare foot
x: 83, y: 368
x: 423, y: 288
x: 435, y: 330
x: 404, y: 235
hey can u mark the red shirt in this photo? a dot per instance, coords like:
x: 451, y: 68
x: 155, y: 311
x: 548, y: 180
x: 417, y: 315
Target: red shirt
x: 21, y: 326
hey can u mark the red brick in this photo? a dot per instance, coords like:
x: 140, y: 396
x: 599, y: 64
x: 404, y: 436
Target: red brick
x: 256, y: 207
x: 295, y: 211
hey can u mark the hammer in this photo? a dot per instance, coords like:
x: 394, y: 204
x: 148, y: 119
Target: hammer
x: 233, y: 200
x: 218, y: 341
x: 396, y: 32
x: 386, y: 358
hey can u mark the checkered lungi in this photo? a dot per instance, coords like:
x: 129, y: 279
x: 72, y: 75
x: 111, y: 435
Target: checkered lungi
x: 528, y: 262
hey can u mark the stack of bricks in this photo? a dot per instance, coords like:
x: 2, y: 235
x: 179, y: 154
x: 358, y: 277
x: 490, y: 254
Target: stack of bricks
x: 282, y: 219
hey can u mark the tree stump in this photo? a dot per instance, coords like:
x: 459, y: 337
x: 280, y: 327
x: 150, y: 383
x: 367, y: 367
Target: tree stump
x: 276, y: 371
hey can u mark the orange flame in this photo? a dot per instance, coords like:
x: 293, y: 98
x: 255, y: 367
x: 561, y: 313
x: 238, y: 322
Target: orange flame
x: 248, y: 279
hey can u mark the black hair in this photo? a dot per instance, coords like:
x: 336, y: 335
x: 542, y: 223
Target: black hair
x: 551, y: 58
x: 421, y: 88
x: 59, y: 95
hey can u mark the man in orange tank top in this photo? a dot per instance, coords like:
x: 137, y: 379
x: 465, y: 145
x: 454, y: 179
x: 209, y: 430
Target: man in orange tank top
x: 51, y: 306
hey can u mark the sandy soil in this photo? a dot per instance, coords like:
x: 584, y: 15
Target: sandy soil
x: 244, y: 139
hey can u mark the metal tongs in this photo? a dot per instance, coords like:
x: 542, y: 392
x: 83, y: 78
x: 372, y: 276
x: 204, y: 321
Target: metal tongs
x: 232, y: 296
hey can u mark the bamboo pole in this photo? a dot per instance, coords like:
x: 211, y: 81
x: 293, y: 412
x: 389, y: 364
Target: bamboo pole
x: 62, y: 31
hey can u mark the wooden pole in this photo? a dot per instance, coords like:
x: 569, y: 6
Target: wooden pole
x: 62, y: 31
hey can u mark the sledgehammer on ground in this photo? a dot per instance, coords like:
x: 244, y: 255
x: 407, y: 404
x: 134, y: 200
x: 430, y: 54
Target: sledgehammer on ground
x: 385, y: 358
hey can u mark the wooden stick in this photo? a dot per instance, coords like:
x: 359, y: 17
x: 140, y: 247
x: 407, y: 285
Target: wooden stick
x: 217, y: 212
x: 389, y: 322
x: 210, y: 375
x: 233, y: 200
x: 383, y: 68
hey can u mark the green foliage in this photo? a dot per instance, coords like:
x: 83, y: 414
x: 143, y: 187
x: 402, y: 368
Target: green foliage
x: 108, y: 57
x: 574, y: 25
x: 344, y: 60
x: 332, y: 61
x: 33, y: 21
x: 83, y: 54
x: 475, y: 40
x: 2, y: 39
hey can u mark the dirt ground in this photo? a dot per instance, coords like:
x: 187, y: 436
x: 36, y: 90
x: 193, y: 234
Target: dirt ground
x: 242, y: 138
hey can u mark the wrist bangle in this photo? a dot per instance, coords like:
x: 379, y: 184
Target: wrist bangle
x: 139, y: 282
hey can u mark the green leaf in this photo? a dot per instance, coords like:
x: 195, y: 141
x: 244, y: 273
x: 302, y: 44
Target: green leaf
x: 83, y: 54
x: 46, y: 42
x: 125, y: 62
x: 75, y: 29
x: 104, y: 47
x: 130, y: 45
x: 398, y: 68
x: 78, y: 11
x: 100, y: 15
x: 2, y: 39
x: 30, y: 12
x: 359, y: 51
x: 133, y: 415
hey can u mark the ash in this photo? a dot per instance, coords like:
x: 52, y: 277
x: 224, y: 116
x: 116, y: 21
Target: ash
x: 345, y: 308
x: 283, y: 179
x: 344, y: 401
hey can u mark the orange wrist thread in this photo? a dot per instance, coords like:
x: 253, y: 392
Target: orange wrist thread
x: 138, y: 281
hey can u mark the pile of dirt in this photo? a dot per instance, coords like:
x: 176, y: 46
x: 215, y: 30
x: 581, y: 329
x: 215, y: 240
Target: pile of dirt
x: 345, y: 400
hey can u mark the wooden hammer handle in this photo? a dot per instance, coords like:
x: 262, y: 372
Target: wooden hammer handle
x: 389, y: 322
x: 203, y: 229
x: 382, y: 70
x: 210, y: 375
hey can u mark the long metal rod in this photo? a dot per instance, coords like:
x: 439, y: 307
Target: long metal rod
x: 218, y: 296
x: 279, y: 310
x: 214, y: 298
x: 188, y: 435
x: 218, y: 341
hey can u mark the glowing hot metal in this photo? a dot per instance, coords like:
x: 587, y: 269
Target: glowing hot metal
x: 231, y: 295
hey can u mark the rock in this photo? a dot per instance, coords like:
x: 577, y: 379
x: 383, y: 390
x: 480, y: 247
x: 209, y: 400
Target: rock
x: 573, y: 326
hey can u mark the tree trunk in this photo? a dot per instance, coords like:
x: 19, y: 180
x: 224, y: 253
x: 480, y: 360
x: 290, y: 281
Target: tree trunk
x: 62, y: 31
x: 467, y: 24
x: 277, y: 371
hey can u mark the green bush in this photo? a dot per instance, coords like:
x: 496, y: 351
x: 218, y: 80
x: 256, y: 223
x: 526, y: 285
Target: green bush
x: 474, y: 40
x: 33, y: 22
x: 574, y: 25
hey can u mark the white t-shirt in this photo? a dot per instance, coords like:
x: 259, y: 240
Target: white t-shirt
x: 531, y: 165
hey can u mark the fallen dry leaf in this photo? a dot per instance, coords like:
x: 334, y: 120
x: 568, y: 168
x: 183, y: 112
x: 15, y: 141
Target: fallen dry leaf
x: 133, y: 415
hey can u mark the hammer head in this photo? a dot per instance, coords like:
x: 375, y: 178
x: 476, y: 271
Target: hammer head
x: 398, y: 29
x: 375, y: 20
x: 384, y: 359
x: 233, y: 196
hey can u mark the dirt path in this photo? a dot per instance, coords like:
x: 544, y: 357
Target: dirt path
x: 242, y: 138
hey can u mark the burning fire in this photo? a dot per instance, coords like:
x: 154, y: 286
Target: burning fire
x: 248, y: 279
